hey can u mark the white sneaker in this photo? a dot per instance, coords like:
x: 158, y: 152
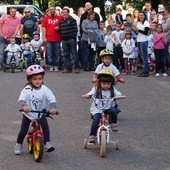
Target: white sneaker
x: 157, y: 75
x: 18, y: 149
x: 165, y: 74
x: 48, y: 147
x: 56, y: 69
x: 51, y: 69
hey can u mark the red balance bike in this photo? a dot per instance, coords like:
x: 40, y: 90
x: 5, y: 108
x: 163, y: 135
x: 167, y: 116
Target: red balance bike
x: 35, y: 137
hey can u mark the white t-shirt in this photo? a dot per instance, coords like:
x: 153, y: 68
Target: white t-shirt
x: 36, y: 99
x: 13, y: 48
x: 110, y: 67
x: 118, y: 36
x: 128, y: 46
x: 142, y: 37
x: 105, y: 95
x: 36, y: 44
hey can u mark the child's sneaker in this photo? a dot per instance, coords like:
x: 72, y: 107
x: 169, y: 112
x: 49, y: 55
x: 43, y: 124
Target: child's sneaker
x: 18, y: 149
x: 51, y: 69
x: 133, y: 72
x: 157, y: 74
x: 114, y: 127
x: 48, y: 147
x: 56, y: 69
x: 92, y: 139
x: 124, y: 72
x: 165, y: 74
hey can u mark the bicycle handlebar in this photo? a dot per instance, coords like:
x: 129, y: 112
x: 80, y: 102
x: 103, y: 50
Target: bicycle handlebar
x: 44, y: 111
x: 104, y: 104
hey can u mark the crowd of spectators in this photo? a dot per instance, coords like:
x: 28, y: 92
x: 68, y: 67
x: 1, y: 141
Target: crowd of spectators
x: 138, y: 36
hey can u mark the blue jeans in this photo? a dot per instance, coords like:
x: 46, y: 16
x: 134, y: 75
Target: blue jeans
x: 53, y: 53
x: 143, y: 52
x: 87, y: 53
x: 69, y: 47
x: 167, y: 55
x: 96, y: 119
x: 2, y: 47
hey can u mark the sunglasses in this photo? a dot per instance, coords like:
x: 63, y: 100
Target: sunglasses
x: 27, y: 11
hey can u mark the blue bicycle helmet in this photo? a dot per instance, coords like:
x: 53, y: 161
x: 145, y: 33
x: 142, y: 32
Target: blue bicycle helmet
x: 36, y: 33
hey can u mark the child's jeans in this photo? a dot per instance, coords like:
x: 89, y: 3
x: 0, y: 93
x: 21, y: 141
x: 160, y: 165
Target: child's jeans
x: 25, y: 126
x: 96, y: 119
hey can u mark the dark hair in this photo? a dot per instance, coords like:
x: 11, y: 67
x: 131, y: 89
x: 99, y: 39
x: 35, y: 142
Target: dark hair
x: 145, y: 18
x: 109, y: 27
x: 66, y: 9
x: 104, y: 78
x: 90, y: 13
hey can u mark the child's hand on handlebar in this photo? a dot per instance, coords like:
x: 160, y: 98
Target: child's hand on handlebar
x: 87, y: 96
x: 54, y: 111
x: 25, y: 109
x: 121, y: 80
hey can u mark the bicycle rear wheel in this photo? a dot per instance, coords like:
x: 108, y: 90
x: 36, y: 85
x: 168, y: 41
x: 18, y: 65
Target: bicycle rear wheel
x: 38, y: 149
x: 103, y: 143
x: 13, y: 67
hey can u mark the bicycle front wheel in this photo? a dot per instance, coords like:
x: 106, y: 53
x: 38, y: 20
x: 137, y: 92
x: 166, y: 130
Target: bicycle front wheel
x: 103, y: 143
x: 38, y: 149
x: 30, y: 145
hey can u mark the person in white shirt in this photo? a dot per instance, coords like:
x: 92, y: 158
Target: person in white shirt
x: 35, y: 96
x: 106, y: 57
x: 12, y: 49
x: 128, y: 47
x: 118, y: 36
x: 103, y: 90
x: 142, y: 28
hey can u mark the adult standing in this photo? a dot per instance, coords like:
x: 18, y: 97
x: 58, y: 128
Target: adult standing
x: 88, y: 41
x: 148, y: 9
x: 52, y: 38
x: 166, y: 30
x: 29, y: 24
x: 9, y: 26
x: 142, y: 28
x: 88, y: 9
x: 68, y: 30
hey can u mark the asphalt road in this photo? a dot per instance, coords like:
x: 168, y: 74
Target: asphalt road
x: 144, y: 124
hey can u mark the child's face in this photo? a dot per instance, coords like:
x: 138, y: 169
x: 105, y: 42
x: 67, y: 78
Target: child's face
x: 106, y: 85
x: 37, y: 80
x: 107, y: 60
x: 36, y: 37
x: 109, y: 32
x: 159, y: 29
x: 101, y: 25
x: 12, y: 40
x: 128, y: 36
x: 25, y: 40
x: 118, y: 27
x: 152, y: 27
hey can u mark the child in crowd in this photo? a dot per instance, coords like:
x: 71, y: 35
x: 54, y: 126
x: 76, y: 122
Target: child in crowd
x: 159, y: 40
x: 35, y: 96
x: 12, y: 49
x: 104, y: 89
x: 106, y: 57
x: 108, y: 39
x: 102, y: 33
x: 128, y: 46
x: 118, y: 36
x: 36, y: 43
x: 27, y: 49
x: 151, y: 54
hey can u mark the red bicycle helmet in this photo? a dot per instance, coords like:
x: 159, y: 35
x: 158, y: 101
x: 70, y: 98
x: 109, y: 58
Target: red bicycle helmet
x: 34, y: 70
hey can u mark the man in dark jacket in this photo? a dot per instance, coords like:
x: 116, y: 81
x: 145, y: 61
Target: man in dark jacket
x: 88, y: 8
x: 68, y: 30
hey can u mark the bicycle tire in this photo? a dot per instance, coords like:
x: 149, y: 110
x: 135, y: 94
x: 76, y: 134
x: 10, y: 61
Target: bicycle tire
x: 38, y: 149
x: 13, y: 67
x: 30, y: 145
x: 103, y: 144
